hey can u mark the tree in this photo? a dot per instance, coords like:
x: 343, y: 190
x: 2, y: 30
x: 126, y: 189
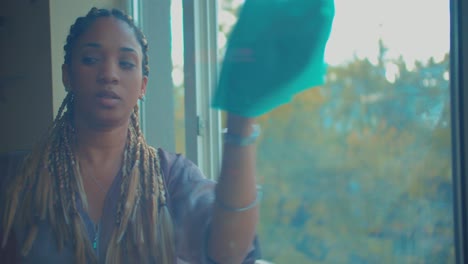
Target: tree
x: 361, y: 159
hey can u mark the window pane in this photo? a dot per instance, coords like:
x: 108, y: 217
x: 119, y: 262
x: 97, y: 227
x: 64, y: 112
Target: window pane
x: 178, y: 73
x: 359, y: 170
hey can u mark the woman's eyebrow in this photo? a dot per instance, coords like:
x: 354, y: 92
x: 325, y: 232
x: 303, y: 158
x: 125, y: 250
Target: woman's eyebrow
x: 97, y: 45
x: 92, y: 45
x: 127, y: 49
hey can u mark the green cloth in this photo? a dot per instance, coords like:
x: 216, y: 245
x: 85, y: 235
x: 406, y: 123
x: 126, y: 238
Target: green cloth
x: 275, y: 51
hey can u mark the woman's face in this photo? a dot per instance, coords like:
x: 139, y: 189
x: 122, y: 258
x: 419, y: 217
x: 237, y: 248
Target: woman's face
x: 105, y: 73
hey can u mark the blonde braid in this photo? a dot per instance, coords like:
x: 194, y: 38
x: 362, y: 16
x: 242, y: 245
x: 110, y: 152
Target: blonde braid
x: 19, y: 194
x: 56, y: 167
x: 142, y: 179
x: 137, y: 241
x: 166, y: 230
x: 83, y: 250
x: 46, y: 189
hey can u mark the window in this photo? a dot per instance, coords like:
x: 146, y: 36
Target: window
x: 359, y: 170
x: 363, y: 168
x: 178, y: 73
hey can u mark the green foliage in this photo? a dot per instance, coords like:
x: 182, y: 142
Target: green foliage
x: 359, y: 171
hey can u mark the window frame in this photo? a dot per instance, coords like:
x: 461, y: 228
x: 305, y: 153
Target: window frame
x: 203, y: 142
x: 459, y: 124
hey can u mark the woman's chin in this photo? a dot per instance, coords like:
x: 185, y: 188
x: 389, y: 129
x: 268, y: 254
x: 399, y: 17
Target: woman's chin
x: 107, y: 121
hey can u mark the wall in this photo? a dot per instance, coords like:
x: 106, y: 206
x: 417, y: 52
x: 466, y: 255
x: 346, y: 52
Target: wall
x: 25, y: 73
x: 32, y: 35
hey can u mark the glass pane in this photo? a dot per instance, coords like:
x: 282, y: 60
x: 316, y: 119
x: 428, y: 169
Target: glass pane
x: 178, y: 73
x: 359, y: 170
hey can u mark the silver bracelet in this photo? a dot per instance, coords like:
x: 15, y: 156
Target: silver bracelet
x: 242, y: 209
x: 240, y: 140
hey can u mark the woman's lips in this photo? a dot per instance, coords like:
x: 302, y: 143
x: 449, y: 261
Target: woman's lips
x: 107, y: 94
x: 107, y: 98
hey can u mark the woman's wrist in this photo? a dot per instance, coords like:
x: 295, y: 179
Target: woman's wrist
x: 241, y: 131
x: 239, y: 125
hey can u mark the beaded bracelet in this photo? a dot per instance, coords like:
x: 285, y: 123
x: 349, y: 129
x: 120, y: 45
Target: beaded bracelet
x: 240, y: 140
x: 242, y: 209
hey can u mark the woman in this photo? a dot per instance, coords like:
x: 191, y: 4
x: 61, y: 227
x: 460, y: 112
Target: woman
x: 93, y: 190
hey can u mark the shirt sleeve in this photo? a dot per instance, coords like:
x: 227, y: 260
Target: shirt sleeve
x: 191, y: 198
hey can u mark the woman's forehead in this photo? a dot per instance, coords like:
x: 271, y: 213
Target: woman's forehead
x: 109, y: 32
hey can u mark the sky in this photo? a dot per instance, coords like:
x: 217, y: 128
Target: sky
x: 414, y: 29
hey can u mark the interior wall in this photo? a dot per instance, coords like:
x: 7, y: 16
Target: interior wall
x: 25, y: 73
x: 32, y: 35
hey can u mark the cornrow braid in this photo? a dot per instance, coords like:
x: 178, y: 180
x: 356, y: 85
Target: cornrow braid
x: 50, y: 183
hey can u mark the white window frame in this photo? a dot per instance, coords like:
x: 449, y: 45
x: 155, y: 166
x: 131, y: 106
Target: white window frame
x: 202, y: 123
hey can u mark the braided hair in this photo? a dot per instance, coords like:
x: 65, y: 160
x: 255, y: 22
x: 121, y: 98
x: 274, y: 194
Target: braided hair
x: 49, y: 185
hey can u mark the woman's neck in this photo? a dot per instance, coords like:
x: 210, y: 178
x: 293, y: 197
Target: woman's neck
x: 100, y: 156
x: 98, y: 146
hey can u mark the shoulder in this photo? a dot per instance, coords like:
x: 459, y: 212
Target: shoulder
x: 11, y: 160
x: 10, y: 163
x: 170, y: 160
x: 175, y: 166
x: 182, y: 177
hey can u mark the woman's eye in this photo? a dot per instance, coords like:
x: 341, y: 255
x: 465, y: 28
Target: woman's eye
x: 89, y: 60
x: 127, y: 65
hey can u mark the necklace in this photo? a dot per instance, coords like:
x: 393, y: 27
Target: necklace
x: 96, y: 236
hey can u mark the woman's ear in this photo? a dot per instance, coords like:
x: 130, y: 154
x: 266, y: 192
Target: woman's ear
x: 66, y: 77
x: 143, y: 87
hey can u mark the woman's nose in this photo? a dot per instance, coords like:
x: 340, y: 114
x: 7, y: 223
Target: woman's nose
x: 108, y: 72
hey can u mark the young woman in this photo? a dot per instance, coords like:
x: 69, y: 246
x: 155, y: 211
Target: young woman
x: 93, y: 190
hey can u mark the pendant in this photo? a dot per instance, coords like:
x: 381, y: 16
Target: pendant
x: 96, y: 236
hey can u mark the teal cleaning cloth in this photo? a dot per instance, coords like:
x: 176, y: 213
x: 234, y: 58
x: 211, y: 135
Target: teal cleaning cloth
x: 275, y: 51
